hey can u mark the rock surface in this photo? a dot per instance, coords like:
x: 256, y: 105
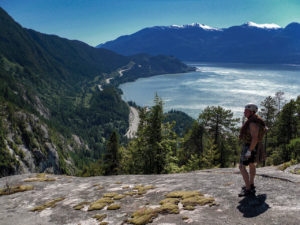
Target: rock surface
x: 277, y: 199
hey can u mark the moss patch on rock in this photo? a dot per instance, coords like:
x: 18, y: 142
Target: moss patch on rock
x: 80, y: 205
x: 143, y: 189
x: 170, y: 200
x: 185, y: 218
x: 50, y: 204
x: 103, y: 223
x: 110, y: 195
x: 40, y: 177
x: 105, y: 201
x: 130, y: 193
x: 14, y: 189
x: 143, y: 216
x: 113, y: 207
x: 169, y: 208
x: 96, y: 206
x: 100, y: 203
x: 118, y: 197
x: 183, y: 194
x: 189, y: 199
x: 189, y: 207
x: 99, y: 218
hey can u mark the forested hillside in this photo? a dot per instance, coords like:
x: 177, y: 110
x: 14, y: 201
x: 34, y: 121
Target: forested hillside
x: 55, y: 92
x: 212, y: 141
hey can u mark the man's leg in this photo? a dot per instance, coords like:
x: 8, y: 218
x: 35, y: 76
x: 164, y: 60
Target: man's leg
x: 245, y: 176
x: 252, y: 170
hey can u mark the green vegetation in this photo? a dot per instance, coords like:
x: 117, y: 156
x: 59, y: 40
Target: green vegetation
x: 40, y: 177
x: 189, y: 200
x: 50, y: 204
x: 283, y: 139
x: 8, y: 190
x: 100, y: 217
x: 183, y: 122
x: 113, y: 207
x: 212, y: 141
x: 80, y: 205
x: 143, y: 216
x: 57, y: 81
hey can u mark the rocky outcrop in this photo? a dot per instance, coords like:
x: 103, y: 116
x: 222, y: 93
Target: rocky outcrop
x: 33, y: 147
x: 56, y: 199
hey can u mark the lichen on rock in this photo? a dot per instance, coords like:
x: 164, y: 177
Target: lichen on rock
x: 99, y: 218
x: 143, y: 216
x: 110, y: 195
x: 80, y: 205
x: 113, y: 207
x: 50, y: 204
x: 40, y: 177
x: 14, y: 189
x: 118, y: 197
x: 143, y: 189
x: 96, y: 206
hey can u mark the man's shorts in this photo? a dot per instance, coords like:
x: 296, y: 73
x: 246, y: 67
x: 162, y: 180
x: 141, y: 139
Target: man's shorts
x: 245, y: 161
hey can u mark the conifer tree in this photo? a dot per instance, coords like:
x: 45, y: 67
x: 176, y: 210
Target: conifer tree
x: 279, y: 98
x: 286, y: 130
x: 155, y: 151
x: 219, y: 122
x: 112, y: 155
x: 192, y: 143
x: 268, y: 113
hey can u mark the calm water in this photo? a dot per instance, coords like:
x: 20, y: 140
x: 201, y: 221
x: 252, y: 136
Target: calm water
x: 228, y: 85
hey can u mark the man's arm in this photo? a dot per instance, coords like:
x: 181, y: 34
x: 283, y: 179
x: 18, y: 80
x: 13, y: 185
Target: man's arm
x: 254, y: 130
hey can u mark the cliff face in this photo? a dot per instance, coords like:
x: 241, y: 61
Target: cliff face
x: 73, y: 200
x: 29, y: 145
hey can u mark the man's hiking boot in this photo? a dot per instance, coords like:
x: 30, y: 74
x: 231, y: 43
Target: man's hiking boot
x: 252, y: 188
x: 245, y: 192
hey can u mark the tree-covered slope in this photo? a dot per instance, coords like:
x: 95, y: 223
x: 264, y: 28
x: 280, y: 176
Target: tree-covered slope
x: 64, y: 84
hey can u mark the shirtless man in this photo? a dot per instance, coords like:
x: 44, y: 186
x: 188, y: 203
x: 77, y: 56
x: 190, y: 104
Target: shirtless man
x: 251, y: 134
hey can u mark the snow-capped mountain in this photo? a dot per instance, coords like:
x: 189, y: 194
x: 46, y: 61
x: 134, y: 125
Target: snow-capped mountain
x: 263, y: 26
x: 247, y: 43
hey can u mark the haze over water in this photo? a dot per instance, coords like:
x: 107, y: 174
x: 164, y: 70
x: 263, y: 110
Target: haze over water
x: 228, y: 85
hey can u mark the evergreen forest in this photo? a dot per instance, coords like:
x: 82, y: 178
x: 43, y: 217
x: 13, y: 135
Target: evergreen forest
x: 211, y: 141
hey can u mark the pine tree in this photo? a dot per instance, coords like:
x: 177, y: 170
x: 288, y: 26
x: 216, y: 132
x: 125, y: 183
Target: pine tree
x: 286, y: 130
x: 279, y: 98
x: 268, y: 113
x: 155, y: 151
x: 219, y: 122
x: 192, y: 143
x: 112, y: 155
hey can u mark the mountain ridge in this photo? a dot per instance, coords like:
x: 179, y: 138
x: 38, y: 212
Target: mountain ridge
x: 60, y: 86
x: 246, y: 43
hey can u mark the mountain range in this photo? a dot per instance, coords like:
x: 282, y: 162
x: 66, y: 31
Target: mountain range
x: 247, y: 43
x: 59, y: 100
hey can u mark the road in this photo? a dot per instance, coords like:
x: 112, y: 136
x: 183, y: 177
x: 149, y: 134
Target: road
x: 134, y: 120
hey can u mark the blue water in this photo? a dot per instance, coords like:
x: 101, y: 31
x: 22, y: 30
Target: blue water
x: 228, y: 85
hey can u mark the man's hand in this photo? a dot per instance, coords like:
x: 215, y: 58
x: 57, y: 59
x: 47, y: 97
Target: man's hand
x: 248, y: 154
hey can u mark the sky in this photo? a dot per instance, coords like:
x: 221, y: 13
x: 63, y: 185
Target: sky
x: 97, y: 21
